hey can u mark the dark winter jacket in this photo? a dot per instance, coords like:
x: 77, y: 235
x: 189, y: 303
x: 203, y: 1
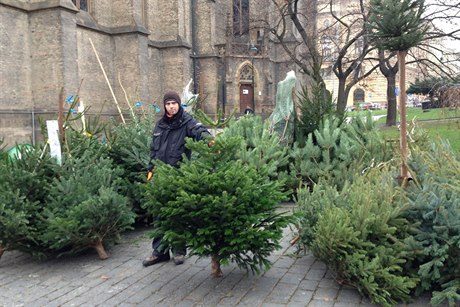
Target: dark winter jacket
x: 169, y: 136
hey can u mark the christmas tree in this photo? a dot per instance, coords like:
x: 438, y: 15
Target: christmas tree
x: 219, y: 206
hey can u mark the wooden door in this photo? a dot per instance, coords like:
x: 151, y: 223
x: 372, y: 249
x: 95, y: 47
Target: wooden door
x: 246, y: 97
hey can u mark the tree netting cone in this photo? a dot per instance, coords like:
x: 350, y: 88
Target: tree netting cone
x: 282, y: 118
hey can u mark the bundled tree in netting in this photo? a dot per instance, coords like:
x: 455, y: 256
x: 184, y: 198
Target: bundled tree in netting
x: 361, y: 234
x: 434, y: 198
x: 219, y: 206
x: 24, y: 183
x: 84, y: 206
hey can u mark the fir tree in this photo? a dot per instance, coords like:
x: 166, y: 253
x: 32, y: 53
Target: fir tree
x: 84, y: 208
x: 218, y: 205
x: 361, y: 234
x: 24, y: 184
x: 435, y: 205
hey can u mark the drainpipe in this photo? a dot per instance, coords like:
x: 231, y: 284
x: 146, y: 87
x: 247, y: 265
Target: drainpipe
x: 194, y: 47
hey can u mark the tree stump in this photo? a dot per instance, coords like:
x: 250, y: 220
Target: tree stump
x: 100, y: 250
x: 216, y: 271
x: 1, y: 251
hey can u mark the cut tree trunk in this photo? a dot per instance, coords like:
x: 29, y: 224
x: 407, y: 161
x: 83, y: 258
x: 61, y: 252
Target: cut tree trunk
x: 100, y: 250
x: 216, y: 271
x: 1, y: 251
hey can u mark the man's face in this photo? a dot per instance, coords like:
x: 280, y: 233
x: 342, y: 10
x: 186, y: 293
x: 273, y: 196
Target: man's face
x: 172, y: 107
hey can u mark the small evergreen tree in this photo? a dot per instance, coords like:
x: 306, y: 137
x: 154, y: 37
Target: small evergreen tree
x: 313, y: 108
x: 24, y: 184
x: 263, y: 149
x: 361, y: 234
x: 220, y: 206
x: 84, y: 208
x: 435, y: 206
x: 340, y: 151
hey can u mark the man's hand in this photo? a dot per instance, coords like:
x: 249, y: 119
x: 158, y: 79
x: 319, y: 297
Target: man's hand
x: 211, y: 143
x: 149, y: 175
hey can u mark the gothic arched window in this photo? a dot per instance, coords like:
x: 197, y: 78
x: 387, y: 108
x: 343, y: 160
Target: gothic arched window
x: 246, y: 73
x: 240, y: 17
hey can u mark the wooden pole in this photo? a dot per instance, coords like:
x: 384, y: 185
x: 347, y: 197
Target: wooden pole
x: 404, y: 173
x: 108, y: 83
x: 61, y: 115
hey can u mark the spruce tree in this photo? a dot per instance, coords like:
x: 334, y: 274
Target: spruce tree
x: 218, y: 205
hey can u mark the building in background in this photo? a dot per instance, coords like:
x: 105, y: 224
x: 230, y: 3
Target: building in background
x: 145, y: 48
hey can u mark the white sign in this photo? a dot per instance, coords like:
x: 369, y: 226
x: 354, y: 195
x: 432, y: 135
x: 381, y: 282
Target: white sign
x: 245, y: 92
x: 53, y: 139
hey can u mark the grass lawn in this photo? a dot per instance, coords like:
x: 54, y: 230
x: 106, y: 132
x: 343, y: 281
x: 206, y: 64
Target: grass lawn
x: 439, y: 123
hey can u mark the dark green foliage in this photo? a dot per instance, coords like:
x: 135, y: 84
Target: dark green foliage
x: 397, y: 25
x: 314, y: 107
x: 84, y: 206
x: 435, y: 204
x: 129, y: 147
x: 361, y: 234
x: 24, y: 184
x: 218, y: 205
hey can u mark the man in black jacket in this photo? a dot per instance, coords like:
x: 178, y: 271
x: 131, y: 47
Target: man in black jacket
x: 168, y: 145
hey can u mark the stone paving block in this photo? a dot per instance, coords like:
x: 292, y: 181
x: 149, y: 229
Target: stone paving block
x: 203, y: 289
x: 349, y: 296
x: 315, y: 274
x: 299, y: 269
x: 302, y: 296
x: 284, y: 262
x: 296, y: 304
x: 328, y: 283
x: 307, y: 284
x: 184, y: 284
x: 320, y: 303
x: 221, y: 290
x: 319, y: 265
x: 292, y: 278
x: 325, y: 294
x: 345, y: 304
x: 259, y: 292
x: 141, y: 295
x: 275, y: 272
x: 281, y: 293
x: 70, y: 295
x: 234, y: 296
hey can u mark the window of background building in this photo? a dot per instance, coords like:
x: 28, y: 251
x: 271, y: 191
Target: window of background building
x: 240, y: 17
x: 82, y: 4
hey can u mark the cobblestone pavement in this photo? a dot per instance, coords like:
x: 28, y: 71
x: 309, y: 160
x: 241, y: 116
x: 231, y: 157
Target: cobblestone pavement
x: 121, y: 280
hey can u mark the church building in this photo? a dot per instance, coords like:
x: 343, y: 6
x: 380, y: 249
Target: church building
x: 135, y: 50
